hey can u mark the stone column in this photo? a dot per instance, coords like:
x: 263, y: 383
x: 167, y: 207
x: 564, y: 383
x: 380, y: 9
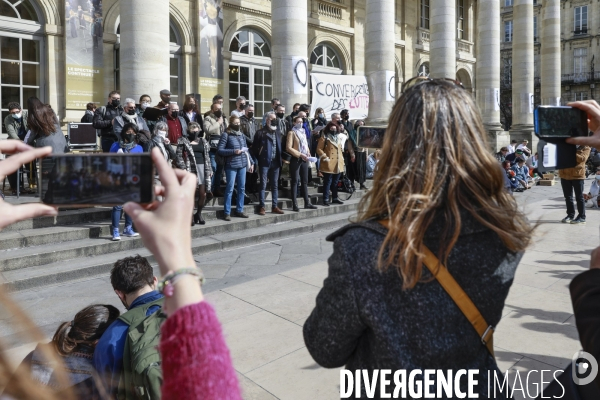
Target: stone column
x: 144, y: 49
x: 522, y: 71
x: 379, y: 58
x: 487, y: 70
x: 551, y: 52
x: 289, y: 22
x: 442, y: 47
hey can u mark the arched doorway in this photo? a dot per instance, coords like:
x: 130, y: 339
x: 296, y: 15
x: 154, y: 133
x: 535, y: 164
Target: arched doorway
x: 21, y: 55
x: 250, y: 70
x: 464, y: 77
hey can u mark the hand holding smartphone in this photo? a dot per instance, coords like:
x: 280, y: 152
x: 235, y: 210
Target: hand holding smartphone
x: 110, y: 179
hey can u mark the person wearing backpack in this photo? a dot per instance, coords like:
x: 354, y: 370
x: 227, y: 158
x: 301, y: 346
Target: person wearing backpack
x: 133, y: 281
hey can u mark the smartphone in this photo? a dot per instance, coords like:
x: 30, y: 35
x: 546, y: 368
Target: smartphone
x: 109, y: 179
x: 371, y: 137
x: 560, y: 122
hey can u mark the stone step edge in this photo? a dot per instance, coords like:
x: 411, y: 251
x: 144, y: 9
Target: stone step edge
x: 51, y: 279
x: 52, y: 254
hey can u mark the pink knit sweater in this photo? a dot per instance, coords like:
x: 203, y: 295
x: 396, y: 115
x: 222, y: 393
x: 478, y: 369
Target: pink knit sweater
x: 195, y: 359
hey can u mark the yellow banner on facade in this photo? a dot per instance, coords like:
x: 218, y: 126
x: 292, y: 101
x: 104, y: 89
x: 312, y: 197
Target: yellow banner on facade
x: 84, y: 85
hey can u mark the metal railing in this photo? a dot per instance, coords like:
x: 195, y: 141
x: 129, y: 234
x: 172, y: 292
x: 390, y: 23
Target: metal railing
x: 580, y: 78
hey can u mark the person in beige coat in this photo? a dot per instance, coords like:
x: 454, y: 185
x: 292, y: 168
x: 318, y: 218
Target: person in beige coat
x: 331, y: 154
x: 298, y: 147
x: 214, y: 126
x: 573, y: 180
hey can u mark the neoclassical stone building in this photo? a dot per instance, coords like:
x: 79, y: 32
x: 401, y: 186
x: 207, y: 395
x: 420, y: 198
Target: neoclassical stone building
x: 148, y: 45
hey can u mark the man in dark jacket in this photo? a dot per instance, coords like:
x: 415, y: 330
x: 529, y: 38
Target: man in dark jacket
x: 104, y: 118
x: 267, y: 150
x: 15, y: 124
x: 176, y: 123
x: 282, y: 123
x: 357, y: 169
x: 165, y: 99
x: 248, y: 124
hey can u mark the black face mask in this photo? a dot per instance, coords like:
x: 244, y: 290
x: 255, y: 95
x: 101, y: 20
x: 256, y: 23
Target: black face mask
x: 165, y: 100
x: 280, y: 115
x: 218, y: 114
x: 242, y: 106
x: 195, y: 134
x: 174, y: 114
x: 115, y: 103
x: 333, y: 132
x: 131, y: 112
x: 129, y: 137
x: 250, y: 115
x: 235, y: 127
x: 303, y: 120
x: 345, y: 117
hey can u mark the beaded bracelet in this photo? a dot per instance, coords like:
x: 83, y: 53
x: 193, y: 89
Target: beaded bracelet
x: 165, y: 286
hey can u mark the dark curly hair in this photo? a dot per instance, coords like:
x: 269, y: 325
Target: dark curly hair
x: 131, y: 274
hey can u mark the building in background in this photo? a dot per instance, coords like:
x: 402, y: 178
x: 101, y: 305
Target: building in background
x: 193, y: 44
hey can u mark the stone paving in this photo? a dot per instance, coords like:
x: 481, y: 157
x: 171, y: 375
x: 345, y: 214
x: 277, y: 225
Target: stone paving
x: 264, y: 293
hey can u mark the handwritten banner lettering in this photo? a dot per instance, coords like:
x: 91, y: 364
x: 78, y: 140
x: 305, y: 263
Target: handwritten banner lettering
x: 334, y: 93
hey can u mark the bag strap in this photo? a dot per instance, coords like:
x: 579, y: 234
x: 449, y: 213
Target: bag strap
x: 458, y: 295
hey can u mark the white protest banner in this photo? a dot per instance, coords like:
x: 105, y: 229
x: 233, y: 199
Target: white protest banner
x: 334, y: 93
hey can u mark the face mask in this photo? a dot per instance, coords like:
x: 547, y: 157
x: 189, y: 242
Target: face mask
x: 162, y: 134
x: 115, y: 103
x: 166, y: 100
x: 598, y: 177
x: 298, y: 125
x: 131, y: 112
x: 218, y: 114
x: 280, y: 115
x: 345, y: 117
x: 242, y: 106
x: 174, y: 114
x: 235, y: 127
x: 250, y: 115
x: 193, y: 134
x: 129, y: 137
x: 333, y: 132
x: 144, y: 105
x: 321, y: 115
x: 272, y: 124
x: 17, y: 116
x: 303, y: 120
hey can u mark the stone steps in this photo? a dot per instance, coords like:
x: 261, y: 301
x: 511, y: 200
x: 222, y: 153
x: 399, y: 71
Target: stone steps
x: 77, y: 243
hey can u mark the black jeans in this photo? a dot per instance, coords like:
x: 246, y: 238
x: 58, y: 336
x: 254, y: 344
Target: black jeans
x: 106, y: 142
x: 568, y: 186
x: 299, y: 171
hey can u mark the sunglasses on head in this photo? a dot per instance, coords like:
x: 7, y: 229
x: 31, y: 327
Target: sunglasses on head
x: 417, y: 80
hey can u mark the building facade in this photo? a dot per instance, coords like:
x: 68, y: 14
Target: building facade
x: 579, y: 43
x: 258, y: 36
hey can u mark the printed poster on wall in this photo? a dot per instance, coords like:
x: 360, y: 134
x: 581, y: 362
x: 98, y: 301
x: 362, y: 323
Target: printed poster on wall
x: 84, y: 53
x: 335, y: 93
x: 211, y: 48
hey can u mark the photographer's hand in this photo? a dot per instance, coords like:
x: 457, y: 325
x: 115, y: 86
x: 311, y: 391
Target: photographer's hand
x: 595, y: 261
x: 165, y: 231
x: 592, y: 109
x: 9, y: 214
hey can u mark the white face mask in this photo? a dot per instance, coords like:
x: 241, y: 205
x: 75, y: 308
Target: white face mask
x: 162, y: 134
x: 17, y: 116
x: 144, y: 105
x: 298, y: 125
x: 598, y: 177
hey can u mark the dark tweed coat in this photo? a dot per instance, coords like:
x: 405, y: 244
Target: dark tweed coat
x: 364, y: 320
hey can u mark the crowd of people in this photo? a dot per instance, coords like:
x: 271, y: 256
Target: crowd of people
x: 379, y: 307
x: 243, y: 153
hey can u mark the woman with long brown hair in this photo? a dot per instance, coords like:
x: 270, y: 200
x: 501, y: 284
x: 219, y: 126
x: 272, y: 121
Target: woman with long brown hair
x: 438, y: 188
x: 44, y: 127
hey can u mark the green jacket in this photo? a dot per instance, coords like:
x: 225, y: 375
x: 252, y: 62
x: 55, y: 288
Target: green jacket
x: 12, y: 126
